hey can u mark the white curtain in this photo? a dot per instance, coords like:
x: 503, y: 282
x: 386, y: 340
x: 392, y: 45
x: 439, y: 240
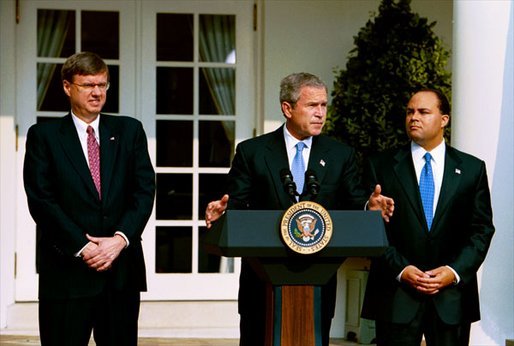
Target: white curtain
x: 52, y: 28
x: 217, y: 44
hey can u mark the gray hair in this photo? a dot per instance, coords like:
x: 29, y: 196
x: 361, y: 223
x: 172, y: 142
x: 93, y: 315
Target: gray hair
x: 291, y: 85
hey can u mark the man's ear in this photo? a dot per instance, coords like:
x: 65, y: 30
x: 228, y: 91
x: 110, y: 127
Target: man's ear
x: 286, y: 109
x: 66, y: 87
x: 445, y: 120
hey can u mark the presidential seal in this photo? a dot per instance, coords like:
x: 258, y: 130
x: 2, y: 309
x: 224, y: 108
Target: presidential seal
x: 306, y: 227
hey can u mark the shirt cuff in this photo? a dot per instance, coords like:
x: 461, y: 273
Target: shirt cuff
x: 457, y: 277
x: 124, y: 237
x: 399, y: 277
x: 78, y: 254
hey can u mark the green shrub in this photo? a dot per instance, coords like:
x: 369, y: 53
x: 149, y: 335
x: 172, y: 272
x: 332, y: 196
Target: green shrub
x: 395, y: 54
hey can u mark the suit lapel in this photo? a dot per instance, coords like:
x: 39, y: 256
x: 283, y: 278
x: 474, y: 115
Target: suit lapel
x: 109, y: 141
x: 73, y: 151
x: 319, y: 159
x: 406, y: 175
x: 276, y: 160
x: 451, y: 179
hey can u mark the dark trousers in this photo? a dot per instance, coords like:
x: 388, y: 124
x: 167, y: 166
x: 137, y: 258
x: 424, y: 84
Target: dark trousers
x: 427, y: 323
x: 112, y: 316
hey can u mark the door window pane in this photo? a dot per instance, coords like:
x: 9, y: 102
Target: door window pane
x: 174, y: 143
x: 174, y: 90
x: 212, y: 187
x: 50, y: 95
x: 218, y: 38
x: 217, y: 91
x: 112, y: 105
x: 174, y: 197
x: 174, y: 37
x: 55, y: 33
x: 216, y: 140
x: 173, y: 252
x: 100, y: 31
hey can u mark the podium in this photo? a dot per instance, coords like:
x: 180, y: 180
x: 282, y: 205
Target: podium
x: 295, y: 278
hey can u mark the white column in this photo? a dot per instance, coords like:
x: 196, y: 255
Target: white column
x: 7, y: 158
x: 482, y: 125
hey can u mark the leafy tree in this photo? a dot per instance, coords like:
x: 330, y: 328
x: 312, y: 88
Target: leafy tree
x: 395, y: 54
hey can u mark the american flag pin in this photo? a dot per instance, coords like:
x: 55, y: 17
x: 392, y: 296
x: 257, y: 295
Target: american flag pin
x: 321, y: 162
x: 457, y: 170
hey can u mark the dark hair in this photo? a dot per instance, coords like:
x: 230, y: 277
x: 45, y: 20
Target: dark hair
x: 84, y: 64
x: 290, y: 86
x: 444, y: 104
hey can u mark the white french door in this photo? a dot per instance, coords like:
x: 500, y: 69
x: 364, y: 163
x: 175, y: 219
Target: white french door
x: 197, y: 103
x: 194, y: 108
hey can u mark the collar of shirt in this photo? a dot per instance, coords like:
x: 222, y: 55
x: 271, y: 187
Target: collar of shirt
x: 437, y: 161
x: 81, y: 127
x: 291, y: 146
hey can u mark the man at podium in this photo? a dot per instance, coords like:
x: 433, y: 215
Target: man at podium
x: 261, y: 177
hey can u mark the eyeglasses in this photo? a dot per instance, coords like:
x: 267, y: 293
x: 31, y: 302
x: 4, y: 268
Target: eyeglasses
x: 91, y: 86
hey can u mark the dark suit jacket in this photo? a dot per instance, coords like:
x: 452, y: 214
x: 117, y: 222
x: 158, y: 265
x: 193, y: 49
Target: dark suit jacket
x: 254, y: 183
x: 65, y: 205
x: 461, y: 232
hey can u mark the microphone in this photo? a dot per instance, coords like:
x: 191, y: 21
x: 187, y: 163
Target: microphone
x: 288, y: 183
x: 312, y: 183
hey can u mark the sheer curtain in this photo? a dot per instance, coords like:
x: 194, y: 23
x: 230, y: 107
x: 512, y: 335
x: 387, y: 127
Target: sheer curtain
x: 217, y: 44
x: 52, y: 28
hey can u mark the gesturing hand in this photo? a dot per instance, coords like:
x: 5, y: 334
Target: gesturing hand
x: 215, y: 209
x: 379, y: 202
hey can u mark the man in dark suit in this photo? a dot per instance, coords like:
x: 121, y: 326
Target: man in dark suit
x: 90, y: 188
x: 254, y: 182
x: 425, y: 284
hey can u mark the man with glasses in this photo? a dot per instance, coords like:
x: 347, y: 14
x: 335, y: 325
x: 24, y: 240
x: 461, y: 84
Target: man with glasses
x: 90, y: 187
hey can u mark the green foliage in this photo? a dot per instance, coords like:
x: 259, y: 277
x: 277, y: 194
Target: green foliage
x: 396, y: 53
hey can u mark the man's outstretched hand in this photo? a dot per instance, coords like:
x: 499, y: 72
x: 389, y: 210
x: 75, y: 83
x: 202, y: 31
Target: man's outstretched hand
x: 215, y: 209
x: 379, y: 202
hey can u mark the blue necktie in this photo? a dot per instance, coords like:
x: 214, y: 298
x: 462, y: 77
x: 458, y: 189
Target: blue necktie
x: 426, y: 189
x: 298, y: 167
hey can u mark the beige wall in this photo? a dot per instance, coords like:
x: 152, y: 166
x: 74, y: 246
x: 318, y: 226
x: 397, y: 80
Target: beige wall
x: 316, y: 36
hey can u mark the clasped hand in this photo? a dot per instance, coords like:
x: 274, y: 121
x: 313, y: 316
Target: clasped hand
x: 100, y: 253
x: 429, y: 282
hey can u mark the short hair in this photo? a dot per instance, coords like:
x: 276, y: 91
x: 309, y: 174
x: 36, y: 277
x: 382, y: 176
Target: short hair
x: 291, y: 85
x: 444, y: 104
x: 84, y: 64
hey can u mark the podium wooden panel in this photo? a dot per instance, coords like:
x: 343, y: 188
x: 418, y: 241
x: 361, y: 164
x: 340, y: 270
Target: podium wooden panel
x: 293, y: 309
